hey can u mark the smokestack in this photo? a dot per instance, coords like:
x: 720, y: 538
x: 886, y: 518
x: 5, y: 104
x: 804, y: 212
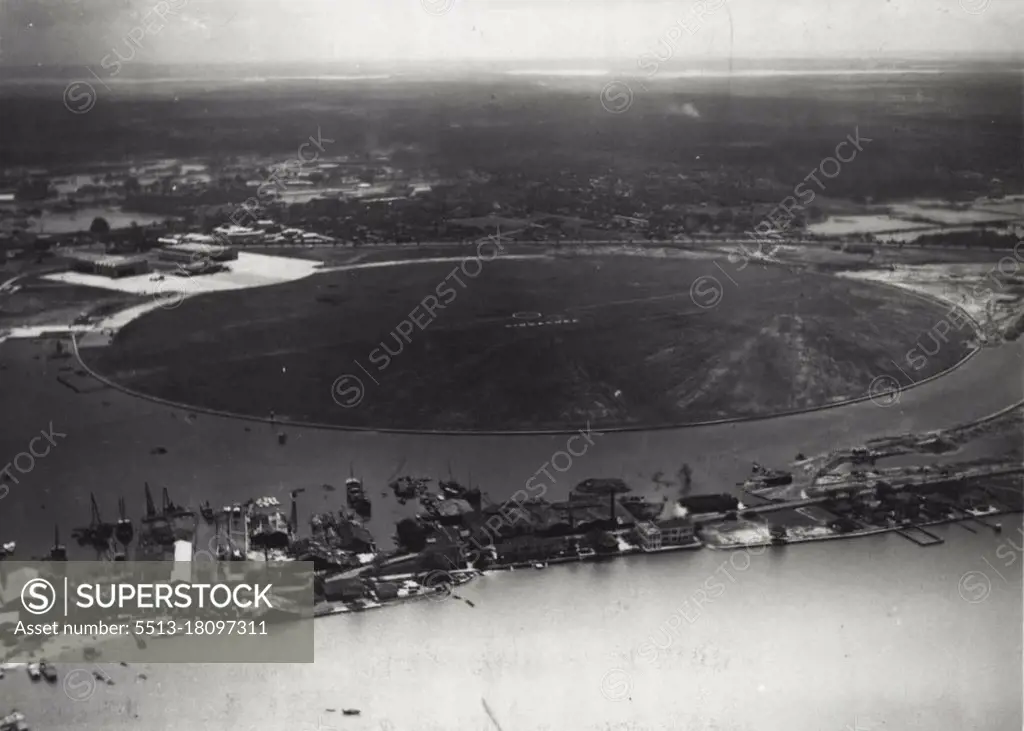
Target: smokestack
x: 685, y: 475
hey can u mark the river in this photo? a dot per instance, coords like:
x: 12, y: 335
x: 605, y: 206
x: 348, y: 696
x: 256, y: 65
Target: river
x: 864, y: 634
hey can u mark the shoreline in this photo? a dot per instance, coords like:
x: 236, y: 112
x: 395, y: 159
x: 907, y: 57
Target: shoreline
x: 441, y: 593
x: 862, y: 533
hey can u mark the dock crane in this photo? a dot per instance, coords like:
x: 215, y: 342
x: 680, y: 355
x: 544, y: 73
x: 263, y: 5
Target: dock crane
x: 167, y: 508
x: 97, y: 534
x: 151, y: 514
x: 170, y: 510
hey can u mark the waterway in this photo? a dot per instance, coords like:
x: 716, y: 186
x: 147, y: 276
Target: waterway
x: 871, y: 634
x: 868, y: 634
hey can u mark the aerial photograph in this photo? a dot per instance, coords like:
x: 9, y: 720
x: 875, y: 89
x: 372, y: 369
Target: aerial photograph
x: 511, y: 365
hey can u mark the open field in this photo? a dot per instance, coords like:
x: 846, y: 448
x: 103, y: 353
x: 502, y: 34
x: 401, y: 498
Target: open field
x: 610, y: 341
x: 39, y: 302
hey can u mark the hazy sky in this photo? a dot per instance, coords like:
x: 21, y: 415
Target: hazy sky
x: 197, y: 31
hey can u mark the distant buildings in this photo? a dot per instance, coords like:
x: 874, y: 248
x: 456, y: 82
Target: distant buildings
x: 238, y: 235
x: 187, y: 251
x: 631, y: 221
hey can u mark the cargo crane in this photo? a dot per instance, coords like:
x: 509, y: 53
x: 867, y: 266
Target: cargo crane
x: 163, y: 530
x: 168, y: 509
x: 151, y: 514
x: 97, y: 534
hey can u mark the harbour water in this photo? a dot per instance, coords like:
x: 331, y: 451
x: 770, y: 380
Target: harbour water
x: 866, y: 634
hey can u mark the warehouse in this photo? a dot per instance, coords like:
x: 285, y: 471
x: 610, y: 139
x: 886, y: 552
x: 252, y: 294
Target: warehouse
x: 108, y: 265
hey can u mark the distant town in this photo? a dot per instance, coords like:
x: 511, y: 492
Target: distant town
x: 378, y: 198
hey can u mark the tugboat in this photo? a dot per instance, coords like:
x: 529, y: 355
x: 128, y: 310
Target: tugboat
x: 452, y: 489
x: 770, y: 478
x: 408, y: 488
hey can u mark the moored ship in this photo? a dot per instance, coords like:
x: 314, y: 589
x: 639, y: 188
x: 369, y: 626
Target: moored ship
x: 268, y: 526
x: 769, y: 477
x: 355, y: 496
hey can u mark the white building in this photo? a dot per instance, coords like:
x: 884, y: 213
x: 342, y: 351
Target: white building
x: 649, y: 536
x: 676, y: 531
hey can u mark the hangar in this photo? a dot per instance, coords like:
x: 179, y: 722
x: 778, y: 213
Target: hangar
x: 108, y: 265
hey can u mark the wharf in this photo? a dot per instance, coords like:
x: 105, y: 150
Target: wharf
x: 912, y: 533
x: 857, y: 533
x: 631, y: 550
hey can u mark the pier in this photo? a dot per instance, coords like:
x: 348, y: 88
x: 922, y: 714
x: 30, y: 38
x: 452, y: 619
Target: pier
x: 914, y: 533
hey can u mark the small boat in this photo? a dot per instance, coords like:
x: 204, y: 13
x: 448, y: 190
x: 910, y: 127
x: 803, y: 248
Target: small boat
x: 469, y: 602
x: 33, y: 671
x: 452, y: 489
x: 350, y: 711
x: 539, y: 565
x: 48, y: 672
